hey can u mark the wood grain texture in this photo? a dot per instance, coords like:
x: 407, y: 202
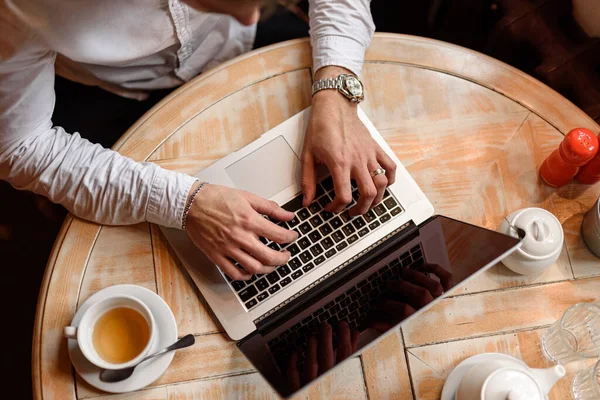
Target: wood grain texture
x: 413, y: 98
x: 483, y: 70
x: 494, y: 157
x: 121, y: 255
x: 470, y: 130
x: 344, y: 383
x: 147, y: 134
x: 38, y: 363
x: 431, y: 365
x: 237, y: 120
x: 212, y: 356
x: 385, y: 370
x: 51, y: 365
x: 146, y: 394
x: 498, y: 311
x: 176, y: 287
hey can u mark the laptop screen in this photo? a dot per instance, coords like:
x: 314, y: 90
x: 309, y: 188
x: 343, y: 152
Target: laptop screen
x: 383, y: 291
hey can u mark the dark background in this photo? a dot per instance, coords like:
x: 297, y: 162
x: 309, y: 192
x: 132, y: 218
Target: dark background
x: 539, y: 37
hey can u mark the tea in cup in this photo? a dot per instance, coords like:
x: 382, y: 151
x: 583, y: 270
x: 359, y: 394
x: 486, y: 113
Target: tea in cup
x: 114, y: 333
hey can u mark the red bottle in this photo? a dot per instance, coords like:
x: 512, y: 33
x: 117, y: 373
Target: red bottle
x: 577, y: 148
x: 590, y: 172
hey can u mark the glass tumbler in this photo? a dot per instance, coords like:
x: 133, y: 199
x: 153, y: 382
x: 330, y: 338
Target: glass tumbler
x: 576, y: 335
x: 586, y: 385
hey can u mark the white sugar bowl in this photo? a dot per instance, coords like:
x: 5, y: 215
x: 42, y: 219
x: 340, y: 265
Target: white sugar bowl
x: 542, y: 244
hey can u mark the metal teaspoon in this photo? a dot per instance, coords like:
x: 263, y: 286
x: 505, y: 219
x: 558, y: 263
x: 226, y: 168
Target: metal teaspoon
x: 117, y: 375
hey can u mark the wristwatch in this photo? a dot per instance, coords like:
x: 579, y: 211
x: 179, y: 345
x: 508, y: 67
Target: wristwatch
x: 348, y: 85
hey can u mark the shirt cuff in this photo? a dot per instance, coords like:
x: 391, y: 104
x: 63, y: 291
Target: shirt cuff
x: 340, y: 51
x: 168, y: 196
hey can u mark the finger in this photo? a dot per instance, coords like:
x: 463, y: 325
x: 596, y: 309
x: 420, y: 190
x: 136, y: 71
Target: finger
x: 381, y: 325
x: 344, y: 348
x: 397, y: 311
x: 250, y: 263
x: 309, y: 178
x: 414, y: 295
x: 444, y: 275
x: 342, y: 189
x: 388, y: 164
x: 354, y: 338
x: 416, y: 277
x: 292, y: 372
x: 366, y: 188
x: 268, y: 207
x: 380, y: 181
x: 265, y: 256
x: 379, y: 319
x: 264, y: 227
x: 231, y: 270
x: 311, y: 364
x: 325, y: 351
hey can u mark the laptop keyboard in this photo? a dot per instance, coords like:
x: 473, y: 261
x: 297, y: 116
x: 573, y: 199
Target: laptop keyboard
x: 321, y: 235
x: 351, y: 306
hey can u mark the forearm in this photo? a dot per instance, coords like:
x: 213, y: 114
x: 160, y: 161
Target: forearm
x: 94, y: 183
x: 341, y: 31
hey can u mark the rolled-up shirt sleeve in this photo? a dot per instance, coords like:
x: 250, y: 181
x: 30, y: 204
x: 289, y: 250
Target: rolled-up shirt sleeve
x: 340, y: 32
x: 92, y: 182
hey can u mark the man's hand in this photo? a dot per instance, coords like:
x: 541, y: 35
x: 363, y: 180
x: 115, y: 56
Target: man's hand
x: 414, y: 290
x: 320, y: 354
x: 337, y: 138
x: 226, y: 225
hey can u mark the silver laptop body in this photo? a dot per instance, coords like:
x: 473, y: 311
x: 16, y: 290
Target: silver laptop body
x: 270, y: 168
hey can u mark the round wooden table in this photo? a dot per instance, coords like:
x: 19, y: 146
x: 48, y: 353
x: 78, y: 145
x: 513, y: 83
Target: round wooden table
x: 471, y: 130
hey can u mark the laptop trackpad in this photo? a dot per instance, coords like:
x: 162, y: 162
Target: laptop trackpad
x: 267, y: 170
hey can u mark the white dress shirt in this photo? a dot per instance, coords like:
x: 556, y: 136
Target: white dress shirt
x: 128, y: 47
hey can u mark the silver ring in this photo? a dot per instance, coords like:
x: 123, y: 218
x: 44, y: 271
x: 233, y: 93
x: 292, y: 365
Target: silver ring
x: 378, y: 171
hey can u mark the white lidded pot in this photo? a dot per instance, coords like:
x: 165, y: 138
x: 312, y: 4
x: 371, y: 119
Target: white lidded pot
x: 542, y: 244
x: 508, y: 380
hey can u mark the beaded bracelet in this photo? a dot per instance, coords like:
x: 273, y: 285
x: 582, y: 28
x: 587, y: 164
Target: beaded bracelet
x: 189, y: 204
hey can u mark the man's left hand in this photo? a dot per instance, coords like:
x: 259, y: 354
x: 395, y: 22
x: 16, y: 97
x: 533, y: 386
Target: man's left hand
x: 337, y: 138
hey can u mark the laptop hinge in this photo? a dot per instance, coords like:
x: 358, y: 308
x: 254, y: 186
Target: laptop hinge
x: 316, y: 290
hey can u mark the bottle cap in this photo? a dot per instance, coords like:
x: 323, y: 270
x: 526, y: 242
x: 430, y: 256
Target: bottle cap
x: 579, y: 146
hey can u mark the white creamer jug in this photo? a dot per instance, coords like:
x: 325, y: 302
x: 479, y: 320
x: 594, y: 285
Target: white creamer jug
x: 507, y: 379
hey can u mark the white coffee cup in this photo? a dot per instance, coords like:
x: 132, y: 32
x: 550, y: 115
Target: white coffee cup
x: 84, y: 331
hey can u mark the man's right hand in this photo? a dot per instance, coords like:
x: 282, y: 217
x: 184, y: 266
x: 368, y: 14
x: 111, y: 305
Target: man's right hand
x: 226, y: 225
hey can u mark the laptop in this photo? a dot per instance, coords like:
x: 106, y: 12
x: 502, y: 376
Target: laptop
x: 375, y: 294
x: 349, y: 280
x: 270, y: 168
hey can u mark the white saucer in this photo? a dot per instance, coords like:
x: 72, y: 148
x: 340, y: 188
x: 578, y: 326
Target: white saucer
x: 455, y: 377
x: 145, y: 373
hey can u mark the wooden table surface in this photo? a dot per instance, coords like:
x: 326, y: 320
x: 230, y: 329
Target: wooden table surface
x: 472, y: 132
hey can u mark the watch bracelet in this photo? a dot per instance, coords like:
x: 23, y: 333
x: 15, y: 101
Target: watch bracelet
x: 327, y: 83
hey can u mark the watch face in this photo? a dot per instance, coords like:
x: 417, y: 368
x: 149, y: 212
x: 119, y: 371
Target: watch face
x: 354, y: 86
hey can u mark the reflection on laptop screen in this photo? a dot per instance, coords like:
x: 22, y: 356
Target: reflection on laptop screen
x: 373, y: 296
